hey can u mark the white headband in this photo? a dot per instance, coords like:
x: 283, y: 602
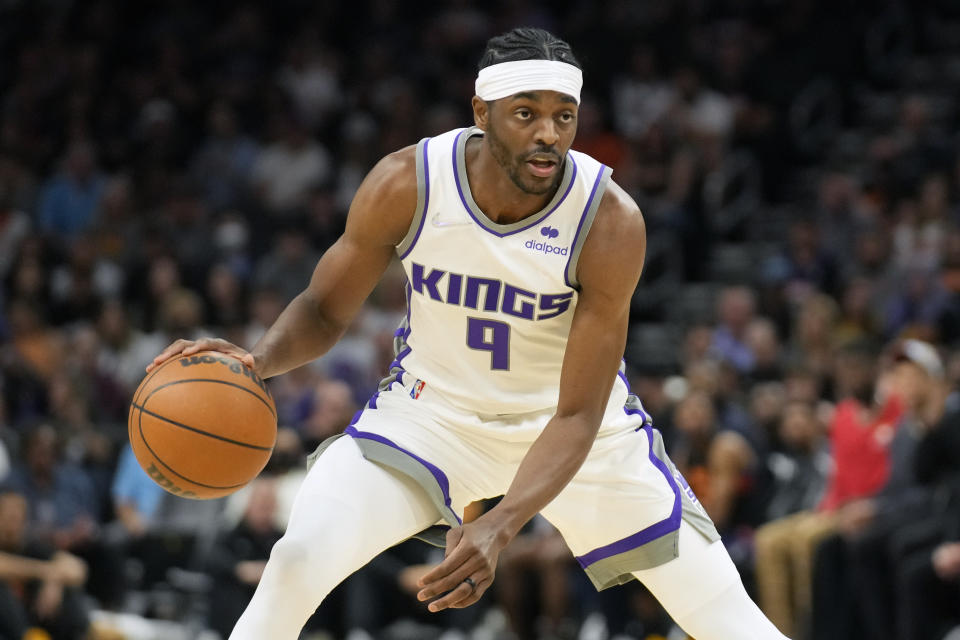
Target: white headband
x: 507, y: 78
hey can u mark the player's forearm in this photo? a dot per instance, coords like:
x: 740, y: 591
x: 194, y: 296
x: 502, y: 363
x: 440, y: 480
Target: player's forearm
x: 301, y: 334
x: 550, y: 463
x: 19, y: 568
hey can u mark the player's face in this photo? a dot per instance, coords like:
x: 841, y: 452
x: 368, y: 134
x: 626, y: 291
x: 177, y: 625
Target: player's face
x: 529, y: 134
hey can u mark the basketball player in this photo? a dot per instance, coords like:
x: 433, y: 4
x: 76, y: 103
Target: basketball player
x: 521, y: 259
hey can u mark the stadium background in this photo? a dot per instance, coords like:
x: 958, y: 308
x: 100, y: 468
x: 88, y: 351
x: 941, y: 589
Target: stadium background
x: 174, y: 169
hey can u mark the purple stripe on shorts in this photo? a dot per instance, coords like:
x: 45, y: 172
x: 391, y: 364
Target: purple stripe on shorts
x: 654, y: 531
x: 373, y: 401
x: 438, y: 475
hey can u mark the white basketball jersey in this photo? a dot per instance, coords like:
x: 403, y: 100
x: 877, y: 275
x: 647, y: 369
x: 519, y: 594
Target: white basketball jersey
x: 489, y: 306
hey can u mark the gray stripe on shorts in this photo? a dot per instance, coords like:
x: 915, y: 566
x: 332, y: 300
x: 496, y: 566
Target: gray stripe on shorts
x: 387, y: 456
x: 619, y: 569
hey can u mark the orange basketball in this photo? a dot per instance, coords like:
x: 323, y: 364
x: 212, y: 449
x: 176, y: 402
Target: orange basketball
x: 202, y: 426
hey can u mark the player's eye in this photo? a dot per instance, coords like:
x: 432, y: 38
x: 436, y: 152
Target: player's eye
x: 567, y: 117
x: 523, y: 114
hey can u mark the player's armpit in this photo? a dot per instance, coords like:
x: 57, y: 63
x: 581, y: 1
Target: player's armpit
x: 379, y: 218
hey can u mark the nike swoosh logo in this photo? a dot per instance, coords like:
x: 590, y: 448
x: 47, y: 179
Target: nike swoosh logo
x: 438, y: 222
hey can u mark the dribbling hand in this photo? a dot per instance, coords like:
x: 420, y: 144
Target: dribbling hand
x: 190, y: 347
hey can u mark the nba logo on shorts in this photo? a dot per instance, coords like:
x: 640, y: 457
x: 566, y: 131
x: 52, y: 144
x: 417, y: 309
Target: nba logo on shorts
x: 417, y: 388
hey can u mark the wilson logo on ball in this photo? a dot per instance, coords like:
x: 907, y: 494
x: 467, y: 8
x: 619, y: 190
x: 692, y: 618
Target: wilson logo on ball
x: 233, y: 365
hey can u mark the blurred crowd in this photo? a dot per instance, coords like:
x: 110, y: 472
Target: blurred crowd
x: 174, y: 169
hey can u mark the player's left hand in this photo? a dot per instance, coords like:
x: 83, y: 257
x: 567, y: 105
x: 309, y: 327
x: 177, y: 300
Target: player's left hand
x: 472, y: 552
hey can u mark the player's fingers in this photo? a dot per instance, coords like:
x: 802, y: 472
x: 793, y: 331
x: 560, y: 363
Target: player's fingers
x: 451, y: 579
x: 176, y: 347
x: 206, y: 344
x: 453, y: 539
x: 451, y: 563
x: 249, y: 360
x: 215, y: 344
x: 473, y: 597
x: 463, y: 596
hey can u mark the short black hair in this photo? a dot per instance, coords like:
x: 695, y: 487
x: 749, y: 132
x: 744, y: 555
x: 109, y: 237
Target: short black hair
x: 526, y: 43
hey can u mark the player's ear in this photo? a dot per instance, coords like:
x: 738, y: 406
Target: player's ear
x: 481, y: 112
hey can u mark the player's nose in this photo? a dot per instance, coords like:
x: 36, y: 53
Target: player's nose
x: 546, y: 132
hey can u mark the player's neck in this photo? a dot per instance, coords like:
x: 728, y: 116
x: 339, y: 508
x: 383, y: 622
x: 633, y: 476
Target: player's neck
x: 496, y: 195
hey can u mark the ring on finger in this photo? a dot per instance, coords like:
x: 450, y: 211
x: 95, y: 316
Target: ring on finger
x: 469, y: 581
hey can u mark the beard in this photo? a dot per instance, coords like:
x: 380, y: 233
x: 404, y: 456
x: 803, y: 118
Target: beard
x: 513, y: 165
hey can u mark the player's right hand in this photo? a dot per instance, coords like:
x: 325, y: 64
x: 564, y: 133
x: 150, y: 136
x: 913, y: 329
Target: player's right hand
x: 189, y: 347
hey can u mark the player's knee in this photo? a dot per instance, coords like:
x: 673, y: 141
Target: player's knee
x: 294, y: 558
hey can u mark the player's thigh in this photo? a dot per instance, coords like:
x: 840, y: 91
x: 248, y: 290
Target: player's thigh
x: 349, y: 509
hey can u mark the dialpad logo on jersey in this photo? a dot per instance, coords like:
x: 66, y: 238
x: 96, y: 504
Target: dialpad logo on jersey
x: 544, y: 247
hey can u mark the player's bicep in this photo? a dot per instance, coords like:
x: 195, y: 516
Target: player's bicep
x: 378, y: 220
x: 609, y: 270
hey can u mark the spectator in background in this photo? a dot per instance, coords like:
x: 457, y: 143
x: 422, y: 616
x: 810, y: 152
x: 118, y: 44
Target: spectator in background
x: 925, y: 555
x: 240, y: 555
x: 917, y: 376
x: 287, y: 467
x: 857, y: 319
x: 136, y: 498
x: 7, y: 438
x: 803, y: 268
x: 854, y: 554
x: 762, y: 341
x: 64, y: 511
x: 916, y: 304
x: 812, y: 344
x: 641, y: 97
x: 539, y: 556
x: 125, y: 350
x: 289, y: 265
x: 860, y: 434
x: 801, y: 468
x: 69, y: 202
x: 922, y: 224
x: 286, y: 170
x: 331, y: 410
x: 223, y: 163
x: 226, y: 304
x: 948, y: 324
x: 14, y: 228
x: 735, y: 311
x: 39, y: 587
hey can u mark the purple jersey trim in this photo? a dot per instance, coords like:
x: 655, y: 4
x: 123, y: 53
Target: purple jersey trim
x: 647, y: 418
x: 537, y: 219
x: 426, y: 199
x: 406, y: 335
x: 438, y: 475
x: 654, y: 531
x: 583, y: 217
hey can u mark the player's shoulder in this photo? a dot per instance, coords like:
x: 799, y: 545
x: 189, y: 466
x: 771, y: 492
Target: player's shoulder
x: 392, y: 180
x: 397, y: 169
x: 619, y: 221
x: 384, y: 204
x: 614, y: 250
